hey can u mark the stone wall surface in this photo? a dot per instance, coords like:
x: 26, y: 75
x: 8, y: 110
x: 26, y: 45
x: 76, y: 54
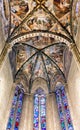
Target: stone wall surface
x: 6, y: 90
x: 74, y: 93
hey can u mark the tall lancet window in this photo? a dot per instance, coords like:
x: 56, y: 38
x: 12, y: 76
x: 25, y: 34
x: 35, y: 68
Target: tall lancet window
x: 63, y: 108
x: 39, y: 119
x: 16, y: 109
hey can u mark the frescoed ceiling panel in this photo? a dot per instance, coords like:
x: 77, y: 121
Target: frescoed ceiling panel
x: 39, y: 70
x: 49, y: 15
x: 40, y: 21
x: 36, y: 60
x: 29, y: 15
x: 23, y: 54
x: 40, y: 56
x: 56, y: 52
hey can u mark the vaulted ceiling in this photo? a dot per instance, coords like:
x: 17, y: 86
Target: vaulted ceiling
x: 39, y: 56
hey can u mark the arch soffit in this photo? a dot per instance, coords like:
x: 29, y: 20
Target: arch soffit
x: 56, y: 36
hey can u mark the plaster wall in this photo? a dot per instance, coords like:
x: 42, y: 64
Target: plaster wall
x: 6, y: 91
x: 74, y: 93
x: 74, y: 84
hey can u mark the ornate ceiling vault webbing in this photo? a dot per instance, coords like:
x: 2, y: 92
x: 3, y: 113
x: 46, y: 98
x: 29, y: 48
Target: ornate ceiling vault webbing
x: 39, y: 5
x: 39, y: 31
x: 40, y: 53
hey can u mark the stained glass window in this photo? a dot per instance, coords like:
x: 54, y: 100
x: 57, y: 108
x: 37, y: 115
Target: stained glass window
x: 66, y: 109
x: 36, y: 112
x: 16, y: 109
x: 13, y: 109
x: 60, y: 109
x: 39, y: 119
x: 43, y: 112
x: 19, y: 110
x: 63, y: 109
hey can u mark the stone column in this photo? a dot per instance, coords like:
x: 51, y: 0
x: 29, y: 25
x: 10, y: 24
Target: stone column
x: 24, y: 121
x: 55, y: 114
x: 49, y: 113
x: 30, y: 113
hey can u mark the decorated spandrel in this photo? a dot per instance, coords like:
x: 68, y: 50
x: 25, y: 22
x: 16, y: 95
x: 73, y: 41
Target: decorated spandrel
x: 13, y: 109
x: 36, y: 113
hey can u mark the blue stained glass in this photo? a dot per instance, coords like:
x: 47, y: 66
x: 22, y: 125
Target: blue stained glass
x: 19, y: 110
x: 43, y: 112
x: 16, y: 105
x: 66, y: 108
x: 36, y: 112
x: 39, y: 110
x: 13, y: 109
x: 15, y: 128
x: 63, y: 108
x: 60, y: 109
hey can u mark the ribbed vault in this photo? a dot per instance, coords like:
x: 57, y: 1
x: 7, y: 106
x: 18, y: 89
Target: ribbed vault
x: 38, y: 31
